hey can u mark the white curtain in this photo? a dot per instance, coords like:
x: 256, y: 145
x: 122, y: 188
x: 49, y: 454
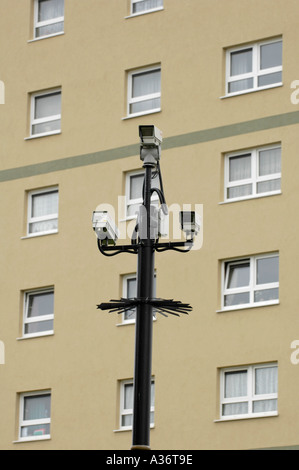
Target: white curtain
x: 240, y: 167
x: 266, y: 380
x: 45, y: 204
x: 146, y: 83
x: 269, y: 161
x: 50, y: 9
x: 241, y: 62
x: 235, y: 386
x: 146, y: 5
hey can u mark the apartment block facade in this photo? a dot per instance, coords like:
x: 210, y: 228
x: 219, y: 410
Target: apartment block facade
x: 220, y: 79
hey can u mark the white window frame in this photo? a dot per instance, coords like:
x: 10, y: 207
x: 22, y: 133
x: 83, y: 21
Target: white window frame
x: 33, y: 422
x: 150, y: 10
x: 131, y: 202
x: 251, y: 396
x: 54, y: 117
x: 256, y: 70
x: 255, y: 178
x: 142, y: 98
x: 129, y: 411
x: 252, y: 286
x: 38, y: 319
x: 31, y: 220
x: 40, y: 24
x: 125, y: 279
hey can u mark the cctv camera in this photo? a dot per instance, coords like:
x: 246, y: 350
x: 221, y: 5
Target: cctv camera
x: 190, y: 222
x: 150, y: 136
x: 104, y: 227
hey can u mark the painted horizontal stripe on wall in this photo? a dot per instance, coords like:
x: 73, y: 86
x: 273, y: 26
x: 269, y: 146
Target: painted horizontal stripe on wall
x: 270, y: 122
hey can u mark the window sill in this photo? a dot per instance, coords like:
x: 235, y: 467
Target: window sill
x: 33, y: 439
x: 41, y: 335
x: 133, y: 15
x: 257, y: 196
x: 131, y: 116
x: 245, y: 92
x: 131, y: 322
x: 236, y: 418
x: 129, y: 429
x: 46, y: 134
x: 34, y: 235
x: 245, y: 307
x: 46, y: 37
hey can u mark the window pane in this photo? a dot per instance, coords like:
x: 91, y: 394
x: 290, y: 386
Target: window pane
x: 37, y: 407
x: 241, y: 62
x: 240, y: 85
x: 266, y: 380
x: 262, y: 406
x: 146, y: 105
x: 47, y: 105
x: 146, y: 83
x: 269, y: 186
x: 44, y: 204
x: 267, y: 270
x: 240, y: 167
x: 238, y: 275
x: 271, y: 55
x: 146, y: 5
x: 235, y: 384
x: 239, y: 191
x: 266, y: 294
x: 131, y: 293
x: 236, y: 299
x: 128, y: 396
x: 269, y: 161
x: 38, y: 327
x: 40, y: 304
x: 50, y: 126
x: 127, y: 420
x: 49, y: 29
x: 235, y: 409
x: 269, y: 79
x: 37, y: 430
x: 50, y: 9
x: 136, y: 185
x: 46, y: 226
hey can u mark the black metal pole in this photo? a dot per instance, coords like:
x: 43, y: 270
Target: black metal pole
x: 144, y: 328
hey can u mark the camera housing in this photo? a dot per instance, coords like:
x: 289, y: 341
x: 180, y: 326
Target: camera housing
x: 104, y: 227
x: 190, y: 222
x: 150, y: 136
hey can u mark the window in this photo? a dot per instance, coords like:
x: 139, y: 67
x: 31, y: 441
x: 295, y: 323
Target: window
x: 144, y: 91
x: 49, y: 17
x: 144, y: 6
x: 253, y: 173
x: 127, y: 401
x: 134, y: 186
x: 249, y: 391
x: 254, y: 67
x: 46, y: 113
x: 130, y: 291
x: 251, y: 281
x: 43, y: 212
x: 35, y: 415
x: 38, y: 312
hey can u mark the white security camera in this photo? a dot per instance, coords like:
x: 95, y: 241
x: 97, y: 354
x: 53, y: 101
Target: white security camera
x: 104, y: 227
x: 150, y: 136
x: 190, y: 222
